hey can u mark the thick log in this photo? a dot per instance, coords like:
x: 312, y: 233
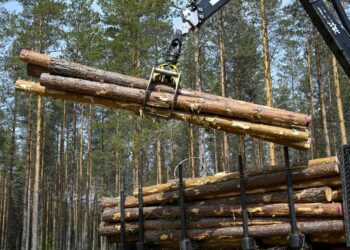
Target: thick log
x: 108, y: 229
x: 250, y: 111
x: 234, y: 233
x: 321, y: 194
x: 214, y: 122
x: 265, y: 210
x: 224, y: 176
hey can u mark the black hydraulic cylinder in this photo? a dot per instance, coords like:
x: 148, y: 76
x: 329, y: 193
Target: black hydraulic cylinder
x: 296, y: 239
x: 345, y: 178
x: 248, y: 243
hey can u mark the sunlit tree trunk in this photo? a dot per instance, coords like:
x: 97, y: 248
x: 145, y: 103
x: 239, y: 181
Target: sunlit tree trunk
x: 203, y: 171
x: 86, y: 239
x: 268, y: 81
x: 321, y: 97
x: 192, y: 161
x: 225, y: 141
x: 344, y: 139
x: 159, y: 161
x: 27, y: 187
x: 35, y: 217
x: 313, y: 149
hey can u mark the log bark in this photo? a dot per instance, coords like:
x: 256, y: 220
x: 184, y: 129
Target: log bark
x: 234, y: 233
x: 303, y: 178
x: 255, y: 210
x: 109, y: 229
x: 321, y: 194
x: 203, y: 120
x: 164, y: 100
x: 65, y: 68
x: 224, y: 176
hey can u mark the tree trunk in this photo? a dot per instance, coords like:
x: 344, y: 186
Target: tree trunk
x: 80, y: 180
x: 344, y: 139
x: 159, y: 161
x: 294, y: 138
x: 268, y: 81
x: 35, y: 217
x: 191, y: 152
x: 203, y: 171
x: 225, y: 143
x: 313, y: 149
x: 27, y: 188
x: 86, y: 239
x: 321, y: 97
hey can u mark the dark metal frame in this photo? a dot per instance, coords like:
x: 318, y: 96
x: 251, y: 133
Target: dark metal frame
x: 345, y: 178
x: 122, y: 244
x: 141, y: 243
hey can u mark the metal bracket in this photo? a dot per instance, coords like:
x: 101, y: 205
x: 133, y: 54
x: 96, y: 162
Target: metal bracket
x: 159, y: 74
x: 345, y: 179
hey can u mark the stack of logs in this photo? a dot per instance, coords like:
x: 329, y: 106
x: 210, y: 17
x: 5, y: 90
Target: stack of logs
x: 71, y: 81
x: 213, y: 208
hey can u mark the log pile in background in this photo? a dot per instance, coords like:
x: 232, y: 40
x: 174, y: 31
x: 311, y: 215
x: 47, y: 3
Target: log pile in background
x: 214, y: 212
x: 66, y: 80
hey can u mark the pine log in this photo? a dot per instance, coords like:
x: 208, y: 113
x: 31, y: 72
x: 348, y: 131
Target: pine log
x: 321, y: 194
x: 214, y: 122
x: 164, y: 100
x: 265, y: 210
x: 303, y: 178
x: 245, y: 110
x: 224, y: 176
x: 108, y: 229
x: 234, y: 233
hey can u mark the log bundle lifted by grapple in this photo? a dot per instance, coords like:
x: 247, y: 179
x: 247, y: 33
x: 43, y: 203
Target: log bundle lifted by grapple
x: 71, y: 81
x: 213, y: 208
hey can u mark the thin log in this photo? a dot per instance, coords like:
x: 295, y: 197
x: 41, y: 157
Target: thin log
x: 224, y: 176
x: 214, y: 122
x: 65, y: 68
x: 234, y: 233
x: 265, y: 210
x: 321, y: 194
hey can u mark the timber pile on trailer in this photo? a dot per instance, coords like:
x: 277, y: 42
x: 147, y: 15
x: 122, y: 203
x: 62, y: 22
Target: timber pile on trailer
x: 71, y: 81
x: 213, y: 208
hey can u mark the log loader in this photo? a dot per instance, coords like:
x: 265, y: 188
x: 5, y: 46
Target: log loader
x: 333, y: 25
